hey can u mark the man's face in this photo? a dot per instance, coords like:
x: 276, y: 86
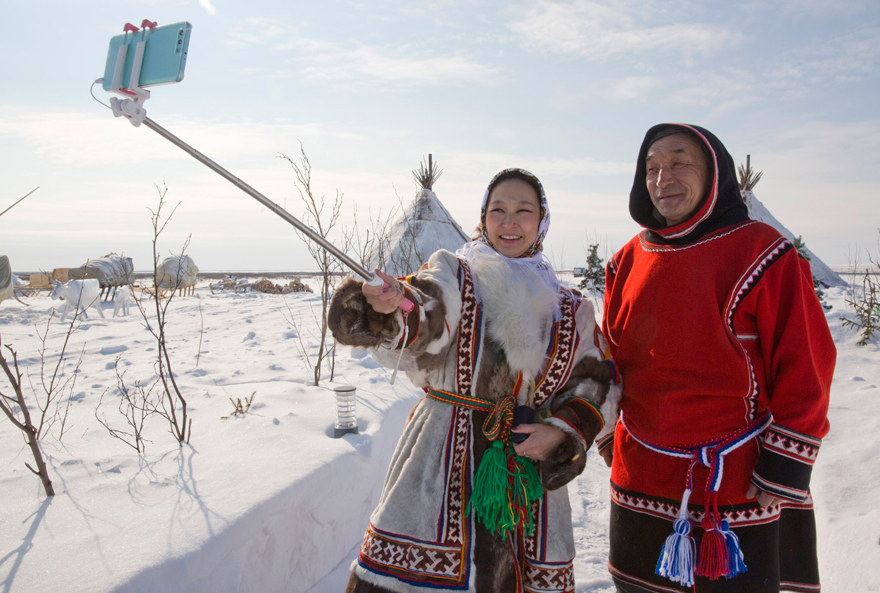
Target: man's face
x: 677, y: 176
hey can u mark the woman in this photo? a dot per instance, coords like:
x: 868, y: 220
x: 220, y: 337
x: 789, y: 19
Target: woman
x: 464, y: 508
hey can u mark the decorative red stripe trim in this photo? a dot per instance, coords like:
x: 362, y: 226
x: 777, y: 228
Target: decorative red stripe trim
x: 574, y: 427
x: 592, y: 408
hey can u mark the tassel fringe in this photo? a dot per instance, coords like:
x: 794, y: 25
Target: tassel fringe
x: 679, y: 553
x: 713, y: 553
x: 505, y: 486
x: 736, y: 562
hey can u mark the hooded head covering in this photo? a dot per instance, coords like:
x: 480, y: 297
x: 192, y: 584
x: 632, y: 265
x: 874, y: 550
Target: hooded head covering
x: 523, y: 175
x: 721, y: 206
x: 532, y: 259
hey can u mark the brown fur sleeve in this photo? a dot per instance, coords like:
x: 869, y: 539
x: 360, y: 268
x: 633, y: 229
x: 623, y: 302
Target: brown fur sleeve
x: 355, y: 323
x: 575, y: 410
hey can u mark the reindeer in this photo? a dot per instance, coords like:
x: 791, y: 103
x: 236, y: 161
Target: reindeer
x: 120, y: 300
x: 78, y: 295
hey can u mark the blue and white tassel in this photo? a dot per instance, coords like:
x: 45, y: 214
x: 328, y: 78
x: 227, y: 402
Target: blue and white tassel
x: 678, y: 557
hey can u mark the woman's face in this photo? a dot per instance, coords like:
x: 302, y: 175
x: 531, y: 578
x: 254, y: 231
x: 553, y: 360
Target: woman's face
x: 513, y: 216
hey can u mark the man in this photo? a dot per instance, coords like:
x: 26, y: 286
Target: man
x: 726, y: 360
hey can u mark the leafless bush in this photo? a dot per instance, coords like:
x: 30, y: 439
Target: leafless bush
x: 864, y: 300
x: 240, y: 408
x: 136, y: 404
x: 323, y: 223
x: 50, y: 397
x: 374, y: 239
x: 171, y: 404
x: 406, y: 256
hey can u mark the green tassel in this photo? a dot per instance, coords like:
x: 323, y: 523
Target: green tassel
x: 489, y: 497
x: 499, y: 502
x: 526, y: 490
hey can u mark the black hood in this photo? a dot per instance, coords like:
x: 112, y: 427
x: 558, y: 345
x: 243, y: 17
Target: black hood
x: 722, y: 205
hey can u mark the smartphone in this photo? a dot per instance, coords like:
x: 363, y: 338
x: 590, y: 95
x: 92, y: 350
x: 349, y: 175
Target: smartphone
x: 164, y: 58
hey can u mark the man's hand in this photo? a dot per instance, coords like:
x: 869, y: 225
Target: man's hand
x: 384, y: 299
x: 608, y: 454
x: 543, y: 440
x: 764, y: 499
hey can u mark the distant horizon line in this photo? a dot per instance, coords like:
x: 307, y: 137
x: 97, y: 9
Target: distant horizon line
x: 844, y: 268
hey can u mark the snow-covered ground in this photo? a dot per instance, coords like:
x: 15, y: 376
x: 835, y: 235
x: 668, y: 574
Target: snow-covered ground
x: 268, y: 501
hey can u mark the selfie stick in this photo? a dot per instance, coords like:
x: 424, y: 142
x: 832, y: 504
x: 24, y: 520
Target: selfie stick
x: 134, y: 110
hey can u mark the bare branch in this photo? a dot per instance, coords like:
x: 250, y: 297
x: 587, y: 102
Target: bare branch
x: 323, y: 223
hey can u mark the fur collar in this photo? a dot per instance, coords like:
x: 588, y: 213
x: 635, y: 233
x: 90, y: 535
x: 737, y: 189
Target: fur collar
x: 518, y: 307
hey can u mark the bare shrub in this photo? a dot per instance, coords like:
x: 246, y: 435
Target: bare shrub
x: 171, y: 404
x: 864, y: 300
x: 50, y: 396
x: 239, y: 407
x: 407, y: 256
x: 323, y: 223
x: 374, y: 239
x: 136, y: 404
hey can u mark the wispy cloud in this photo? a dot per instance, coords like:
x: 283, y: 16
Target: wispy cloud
x: 208, y: 7
x: 634, y: 87
x: 75, y: 138
x: 850, y: 57
x: 394, y: 65
x: 357, y: 63
x: 601, y: 30
x: 474, y: 165
x: 260, y: 32
x: 792, y: 74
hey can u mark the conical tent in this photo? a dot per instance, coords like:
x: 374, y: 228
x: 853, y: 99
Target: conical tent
x: 424, y: 227
x: 757, y: 211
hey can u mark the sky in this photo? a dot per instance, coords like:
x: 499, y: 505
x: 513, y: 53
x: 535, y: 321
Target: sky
x: 565, y: 89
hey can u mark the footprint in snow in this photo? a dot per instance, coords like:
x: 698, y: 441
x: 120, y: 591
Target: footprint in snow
x: 249, y: 336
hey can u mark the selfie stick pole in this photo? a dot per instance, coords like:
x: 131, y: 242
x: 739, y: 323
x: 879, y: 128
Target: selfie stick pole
x: 369, y: 277
x: 132, y: 108
x: 304, y: 229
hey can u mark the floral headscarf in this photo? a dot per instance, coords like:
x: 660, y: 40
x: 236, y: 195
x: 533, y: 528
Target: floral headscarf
x: 532, y: 261
x: 544, y: 225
